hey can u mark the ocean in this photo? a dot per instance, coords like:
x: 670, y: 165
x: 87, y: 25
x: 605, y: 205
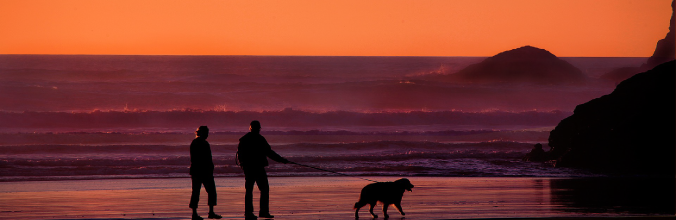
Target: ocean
x: 73, y: 117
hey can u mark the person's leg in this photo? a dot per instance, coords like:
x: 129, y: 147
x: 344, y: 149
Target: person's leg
x: 210, y: 187
x: 249, y: 180
x: 264, y: 187
x: 212, y: 214
x: 195, y: 197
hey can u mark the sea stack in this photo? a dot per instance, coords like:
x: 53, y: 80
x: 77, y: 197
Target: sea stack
x: 522, y: 65
x: 665, y: 51
x: 666, y: 48
x: 630, y: 131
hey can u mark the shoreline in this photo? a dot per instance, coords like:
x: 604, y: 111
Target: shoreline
x: 274, y: 175
x: 306, y: 198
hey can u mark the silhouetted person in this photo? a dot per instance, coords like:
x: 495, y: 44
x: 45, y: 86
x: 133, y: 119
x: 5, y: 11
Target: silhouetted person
x: 202, y: 172
x: 536, y: 154
x: 252, y: 154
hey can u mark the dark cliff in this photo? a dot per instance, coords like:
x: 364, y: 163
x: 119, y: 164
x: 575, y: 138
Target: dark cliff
x: 664, y: 52
x: 630, y: 131
x: 666, y: 48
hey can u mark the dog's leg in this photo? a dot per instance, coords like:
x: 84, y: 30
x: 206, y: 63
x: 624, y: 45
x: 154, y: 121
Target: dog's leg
x: 371, y: 206
x: 385, y: 210
x: 357, y: 206
x: 398, y: 206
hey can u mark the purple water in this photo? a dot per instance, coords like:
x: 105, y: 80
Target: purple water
x: 263, y: 83
x: 372, y: 158
x: 96, y: 117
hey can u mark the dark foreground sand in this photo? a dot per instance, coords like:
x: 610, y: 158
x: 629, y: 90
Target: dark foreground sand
x: 313, y: 198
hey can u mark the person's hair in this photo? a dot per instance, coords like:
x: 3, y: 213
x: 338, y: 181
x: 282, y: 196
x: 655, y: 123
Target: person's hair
x: 538, y: 145
x: 201, y: 131
x: 255, y: 124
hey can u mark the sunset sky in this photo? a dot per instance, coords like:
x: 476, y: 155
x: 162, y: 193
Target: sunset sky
x: 615, y: 28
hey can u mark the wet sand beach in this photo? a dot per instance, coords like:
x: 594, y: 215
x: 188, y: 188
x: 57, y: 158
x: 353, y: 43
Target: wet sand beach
x: 333, y: 197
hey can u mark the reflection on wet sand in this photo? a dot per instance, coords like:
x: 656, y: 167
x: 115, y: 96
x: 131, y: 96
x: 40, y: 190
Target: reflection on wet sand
x: 614, y: 195
x: 332, y: 198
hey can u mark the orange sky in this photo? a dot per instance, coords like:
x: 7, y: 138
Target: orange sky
x: 343, y: 28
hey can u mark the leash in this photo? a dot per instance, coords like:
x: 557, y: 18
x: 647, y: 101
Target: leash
x: 316, y: 168
x: 308, y: 166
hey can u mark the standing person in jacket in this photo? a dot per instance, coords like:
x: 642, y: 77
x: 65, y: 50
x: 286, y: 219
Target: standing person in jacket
x: 252, y: 154
x: 202, y: 172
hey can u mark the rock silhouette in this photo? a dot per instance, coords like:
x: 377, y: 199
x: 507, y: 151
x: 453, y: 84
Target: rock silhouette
x: 665, y: 49
x: 525, y: 64
x: 630, y: 131
x: 620, y: 74
x: 664, y: 52
x: 537, y: 154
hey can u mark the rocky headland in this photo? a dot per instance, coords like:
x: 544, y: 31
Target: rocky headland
x: 664, y: 51
x: 630, y: 131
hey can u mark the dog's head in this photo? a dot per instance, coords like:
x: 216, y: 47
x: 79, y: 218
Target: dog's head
x: 405, y: 184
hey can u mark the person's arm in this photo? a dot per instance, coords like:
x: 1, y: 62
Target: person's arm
x: 210, y: 159
x: 272, y: 154
x: 193, y: 152
x: 238, y: 158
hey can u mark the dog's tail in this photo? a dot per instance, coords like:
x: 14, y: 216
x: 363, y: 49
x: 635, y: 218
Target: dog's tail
x: 359, y: 204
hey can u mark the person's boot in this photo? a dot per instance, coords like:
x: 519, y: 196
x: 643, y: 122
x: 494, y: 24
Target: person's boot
x: 250, y: 216
x: 196, y: 217
x: 214, y: 216
x: 265, y: 215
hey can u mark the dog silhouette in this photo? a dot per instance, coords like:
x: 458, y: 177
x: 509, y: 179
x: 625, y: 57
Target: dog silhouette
x: 388, y: 193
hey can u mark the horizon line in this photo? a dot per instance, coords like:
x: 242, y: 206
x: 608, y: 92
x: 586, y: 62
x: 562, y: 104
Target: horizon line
x: 288, y: 55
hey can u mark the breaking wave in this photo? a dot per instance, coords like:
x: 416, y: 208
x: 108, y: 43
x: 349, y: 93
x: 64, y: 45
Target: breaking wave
x: 382, y: 158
